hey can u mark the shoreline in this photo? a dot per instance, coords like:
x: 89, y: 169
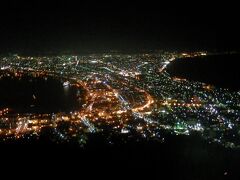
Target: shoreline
x: 203, y: 69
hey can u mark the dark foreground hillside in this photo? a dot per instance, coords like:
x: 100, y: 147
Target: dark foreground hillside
x: 184, y: 157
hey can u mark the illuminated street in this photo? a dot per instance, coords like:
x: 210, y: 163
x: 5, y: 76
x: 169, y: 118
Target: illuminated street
x: 134, y: 96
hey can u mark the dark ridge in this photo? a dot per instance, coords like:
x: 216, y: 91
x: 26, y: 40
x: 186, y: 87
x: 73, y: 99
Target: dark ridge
x: 185, y: 157
x: 218, y: 70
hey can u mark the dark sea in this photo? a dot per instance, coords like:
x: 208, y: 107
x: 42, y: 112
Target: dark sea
x: 38, y: 95
x: 219, y: 70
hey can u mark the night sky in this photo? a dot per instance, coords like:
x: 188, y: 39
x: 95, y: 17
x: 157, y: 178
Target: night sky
x: 95, y: 27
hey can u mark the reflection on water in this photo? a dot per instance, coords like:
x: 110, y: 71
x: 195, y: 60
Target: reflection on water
x: 66, y: 90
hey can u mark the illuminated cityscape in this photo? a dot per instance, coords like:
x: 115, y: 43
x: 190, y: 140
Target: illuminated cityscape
x: 132, y: 95
x: 112, y: 88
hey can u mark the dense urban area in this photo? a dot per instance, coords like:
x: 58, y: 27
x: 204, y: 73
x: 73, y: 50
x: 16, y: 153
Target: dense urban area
x: 132, y: 95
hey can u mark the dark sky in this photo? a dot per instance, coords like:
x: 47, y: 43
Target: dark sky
x: 94, y: 26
